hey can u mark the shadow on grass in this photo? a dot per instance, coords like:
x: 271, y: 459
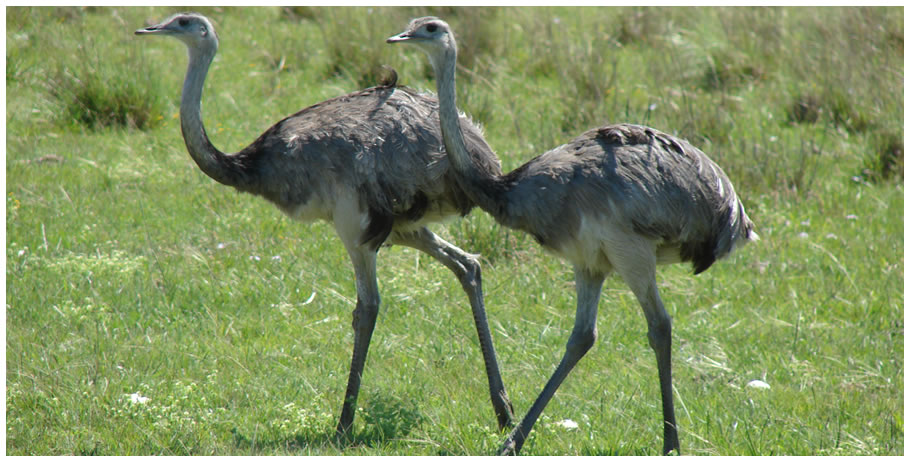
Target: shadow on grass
x: 385, y: 419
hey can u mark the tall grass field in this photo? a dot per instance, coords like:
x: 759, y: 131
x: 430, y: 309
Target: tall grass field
x: 152, y: 311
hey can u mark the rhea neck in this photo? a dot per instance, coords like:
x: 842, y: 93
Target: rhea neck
x: 210, y: 160
x: 444, y: 66
x: 484, y: 188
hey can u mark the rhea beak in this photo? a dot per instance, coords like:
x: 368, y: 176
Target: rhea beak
x: 399, y: 38
x: 156, y: 29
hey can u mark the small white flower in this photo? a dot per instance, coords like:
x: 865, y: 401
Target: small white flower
x: 254, y: 257
x: 758, y: 384
x: 851, y: 216
x: 136, y: 398
x: 276, y: 258
x: 803, y: 235
x: 221, y: 245
x: 568, y: 424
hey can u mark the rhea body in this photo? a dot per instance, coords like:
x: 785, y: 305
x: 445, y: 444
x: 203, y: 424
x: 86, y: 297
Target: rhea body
x: 370, y: 162
x: 619, y: 198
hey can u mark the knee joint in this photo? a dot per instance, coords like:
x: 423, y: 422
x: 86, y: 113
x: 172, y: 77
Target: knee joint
x: 580, y: 343
x: 659, y: 333
x: 364, y: 314
x: 471, y: 272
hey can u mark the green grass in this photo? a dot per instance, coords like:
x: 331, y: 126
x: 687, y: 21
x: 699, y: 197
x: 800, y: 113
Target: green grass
x: 130, y: 272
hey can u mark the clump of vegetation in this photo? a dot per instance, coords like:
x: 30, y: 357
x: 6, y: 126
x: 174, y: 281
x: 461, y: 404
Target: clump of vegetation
x: 887, y: 160
x: 836, y: 106
x: 804, y: 109
x: 728, y: 69
x: 891, y: 155
x: 387, y: 417
x: 97, y: 83
x: 846, y: 112
x: 96, y: 99
x: 99, y: 89
x: 641, y: 26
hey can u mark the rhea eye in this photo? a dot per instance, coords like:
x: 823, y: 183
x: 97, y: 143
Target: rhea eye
x: 431, y: 28
x: 183, y: 22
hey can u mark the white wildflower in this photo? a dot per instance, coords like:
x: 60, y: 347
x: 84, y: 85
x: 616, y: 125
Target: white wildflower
x: 758, y: 384
x: 136, y: 398
x: 568, y: 424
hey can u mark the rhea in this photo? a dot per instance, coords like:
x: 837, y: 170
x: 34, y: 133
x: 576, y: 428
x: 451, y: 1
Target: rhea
x: 370, y: 162
x: 621, y: 198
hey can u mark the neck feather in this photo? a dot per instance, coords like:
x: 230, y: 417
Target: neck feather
x: 485, y: 188
x: 449, y: 114
x: 210, y: 160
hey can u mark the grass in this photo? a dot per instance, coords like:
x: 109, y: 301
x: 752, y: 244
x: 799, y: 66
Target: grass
x: 152, y: 311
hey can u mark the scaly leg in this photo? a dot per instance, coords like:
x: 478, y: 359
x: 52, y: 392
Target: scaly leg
x: 364, y: 320
x: 640, y: 277
x: 659, y: 338
x: 467, y: 269
x: 588, y: 290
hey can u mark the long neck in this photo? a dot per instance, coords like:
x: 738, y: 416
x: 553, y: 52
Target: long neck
x: 211, y: 161
x: 482, y: 186
x: 449, y: 113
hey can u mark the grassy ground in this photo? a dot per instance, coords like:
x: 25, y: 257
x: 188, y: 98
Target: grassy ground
x: 132, y: 275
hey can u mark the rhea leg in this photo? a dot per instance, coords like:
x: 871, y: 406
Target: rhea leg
x: 659, y: 337
x: 638, y: 271
x: 467, y: 269
x: 588, y: 290
x: 363, y: 322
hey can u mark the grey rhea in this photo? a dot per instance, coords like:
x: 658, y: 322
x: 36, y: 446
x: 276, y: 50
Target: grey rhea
x: 370, y: 162
x: 621, y: 198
